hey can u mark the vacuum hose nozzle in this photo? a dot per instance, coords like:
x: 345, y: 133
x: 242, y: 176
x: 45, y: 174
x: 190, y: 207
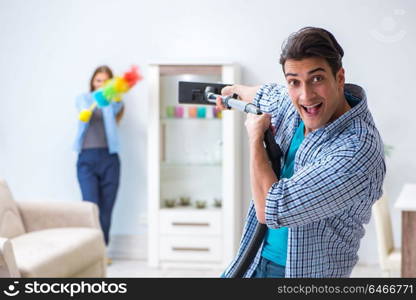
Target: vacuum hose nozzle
x: 231, y: 102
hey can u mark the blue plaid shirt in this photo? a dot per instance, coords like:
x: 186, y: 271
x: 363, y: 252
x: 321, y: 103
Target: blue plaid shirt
x: 338, y: 175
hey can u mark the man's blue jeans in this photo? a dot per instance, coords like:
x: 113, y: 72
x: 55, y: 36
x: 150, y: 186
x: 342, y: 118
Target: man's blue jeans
x: 99, y: 175
x: 268, y: 269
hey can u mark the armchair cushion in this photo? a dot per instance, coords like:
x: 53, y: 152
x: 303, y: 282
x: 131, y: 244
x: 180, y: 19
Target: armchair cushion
x: 58, y: 252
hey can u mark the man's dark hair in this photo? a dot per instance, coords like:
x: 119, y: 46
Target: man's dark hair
x: 313, y: 42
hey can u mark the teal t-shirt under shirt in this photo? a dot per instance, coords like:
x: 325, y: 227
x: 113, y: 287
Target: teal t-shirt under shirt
x: 275, y: 244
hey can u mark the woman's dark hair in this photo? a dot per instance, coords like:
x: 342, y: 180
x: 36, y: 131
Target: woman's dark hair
x: 107, y: 70
x: 100, y: 69
x: 313, y: 42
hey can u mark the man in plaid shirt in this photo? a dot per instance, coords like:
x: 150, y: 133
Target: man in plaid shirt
x: 332, y: 166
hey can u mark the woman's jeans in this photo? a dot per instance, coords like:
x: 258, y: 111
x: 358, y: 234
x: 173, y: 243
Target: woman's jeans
x: 99, y: 175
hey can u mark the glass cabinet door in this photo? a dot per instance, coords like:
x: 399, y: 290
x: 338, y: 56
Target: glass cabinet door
x: 191, y: 147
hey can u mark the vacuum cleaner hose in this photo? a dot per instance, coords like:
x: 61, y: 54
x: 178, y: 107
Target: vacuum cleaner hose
x: 274, y: 152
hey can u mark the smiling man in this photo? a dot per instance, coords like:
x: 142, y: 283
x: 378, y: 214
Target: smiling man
x: 333, y: 164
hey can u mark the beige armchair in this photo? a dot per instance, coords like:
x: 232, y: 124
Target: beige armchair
x: 50, y: 239
x: 389, y: 256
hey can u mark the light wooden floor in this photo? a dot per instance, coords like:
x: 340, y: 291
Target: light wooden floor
x: 139, y: 268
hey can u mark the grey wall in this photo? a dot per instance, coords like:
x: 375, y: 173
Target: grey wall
x: 49, y: 48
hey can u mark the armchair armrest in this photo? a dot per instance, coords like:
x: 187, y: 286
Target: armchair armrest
x: 44, y: 215
x: 8, y: 267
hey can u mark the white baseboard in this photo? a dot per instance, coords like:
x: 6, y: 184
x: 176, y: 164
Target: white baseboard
x: 128, y: 247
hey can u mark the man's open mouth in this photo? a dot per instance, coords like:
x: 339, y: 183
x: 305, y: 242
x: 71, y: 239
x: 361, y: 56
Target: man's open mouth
x: 312, y: 110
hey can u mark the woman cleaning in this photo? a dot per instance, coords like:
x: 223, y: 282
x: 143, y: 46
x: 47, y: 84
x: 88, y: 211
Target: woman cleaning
x: 98, y: 165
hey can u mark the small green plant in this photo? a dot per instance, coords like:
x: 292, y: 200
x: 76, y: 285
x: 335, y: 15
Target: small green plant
x: 200, y: 204
x: 169, y: 202
x: 217, y: 202
x: 185, y: 201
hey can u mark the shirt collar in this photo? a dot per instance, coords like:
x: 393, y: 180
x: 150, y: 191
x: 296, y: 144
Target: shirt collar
x: 355, y: 112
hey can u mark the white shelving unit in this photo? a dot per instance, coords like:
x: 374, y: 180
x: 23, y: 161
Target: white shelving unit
x: 195, y: 157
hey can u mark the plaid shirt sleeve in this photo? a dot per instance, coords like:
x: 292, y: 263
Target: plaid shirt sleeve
x: 270, y: 98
